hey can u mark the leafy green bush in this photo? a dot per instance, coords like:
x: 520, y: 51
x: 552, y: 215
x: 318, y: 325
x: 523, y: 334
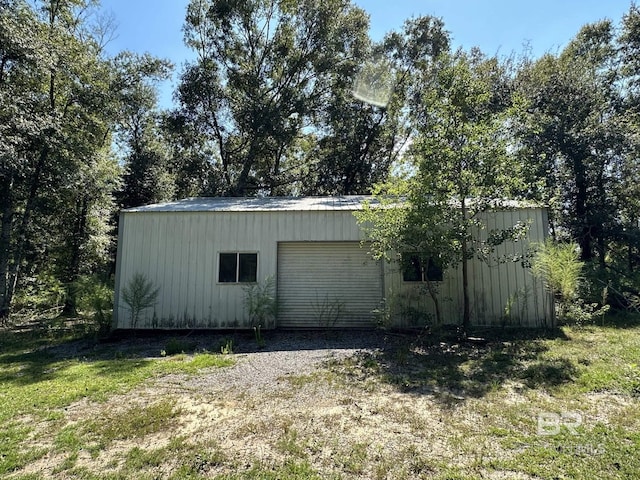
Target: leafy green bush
x: 179, y: 345
x: 94, y: 295
x: 561, y: 270
x: 261, y: 303
x: 615, y: 285
x: 559, y: 267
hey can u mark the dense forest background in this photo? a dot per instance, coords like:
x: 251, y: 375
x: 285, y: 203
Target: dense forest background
x: 267, y: 108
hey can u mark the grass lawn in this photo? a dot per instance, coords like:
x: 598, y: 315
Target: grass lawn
x: 43, y: 372
x: 555, y: 404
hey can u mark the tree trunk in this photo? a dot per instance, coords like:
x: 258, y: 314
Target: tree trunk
x: 5, y: 250
x: 13, y: 270
x: 600, y: 229
x: 632, y: 225
x: 73, y: 272
x: 436, y: 302
x: 602, y: 251
x: 584, y: 229
x: 240, y: 188
x: 466, y: 312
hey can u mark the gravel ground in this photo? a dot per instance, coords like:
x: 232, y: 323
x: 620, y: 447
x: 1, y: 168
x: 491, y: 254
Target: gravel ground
x: 269, y: 409
x: 277, y: 407
x: 284, y: 354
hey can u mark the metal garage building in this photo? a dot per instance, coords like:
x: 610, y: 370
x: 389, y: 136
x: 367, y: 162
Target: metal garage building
x: 201, y: 252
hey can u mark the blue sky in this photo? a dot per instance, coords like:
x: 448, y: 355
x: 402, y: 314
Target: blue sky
x: 496, y: 26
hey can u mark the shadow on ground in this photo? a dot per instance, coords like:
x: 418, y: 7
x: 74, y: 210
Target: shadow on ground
x: 438, y: 364
x: 451, y: 369
x: 37, y: 352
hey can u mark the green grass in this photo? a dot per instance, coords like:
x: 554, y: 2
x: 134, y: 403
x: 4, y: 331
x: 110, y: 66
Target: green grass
x: 179, y: 345
x: 606, y: 359
x: 134, y: 422
x: 567, y: 362
x: 599, y: 451
x: 138, y: 459
x: 37, y: 382
x: 289, y: 470
x: 480, y: 403
x: 593, y: 371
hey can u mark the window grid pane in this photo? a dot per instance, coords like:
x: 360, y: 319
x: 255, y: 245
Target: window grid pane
x: 228, y: 268
x: 411, y: 270
x: 248, y: 267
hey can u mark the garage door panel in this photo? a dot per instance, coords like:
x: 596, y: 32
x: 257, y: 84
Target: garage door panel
x: 319, y: 280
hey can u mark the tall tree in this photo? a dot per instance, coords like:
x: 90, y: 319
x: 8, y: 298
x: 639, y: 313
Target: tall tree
x: 57, y: 113
x: 21, y: 124
x: 459, y: 169
x: 83, y: 223
x: 49, y: 71
x: 570, y: 136
x: 361, y: 140
x: 463, y: 162
x: 263, y: 76
x: 147, y: 177
x: 627, y: 189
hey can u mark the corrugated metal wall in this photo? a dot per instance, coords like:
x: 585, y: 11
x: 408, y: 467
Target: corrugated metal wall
x: 327, y: 284
x: 178, y: 252
x: 502, y: 292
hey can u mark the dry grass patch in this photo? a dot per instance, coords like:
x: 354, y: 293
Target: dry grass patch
x: 412, y: 408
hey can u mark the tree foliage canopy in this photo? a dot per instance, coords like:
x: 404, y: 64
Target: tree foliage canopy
x: 289, y: 97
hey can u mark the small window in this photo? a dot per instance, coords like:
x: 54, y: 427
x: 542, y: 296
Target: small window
x: 413, y: 269
x: 238, y: 268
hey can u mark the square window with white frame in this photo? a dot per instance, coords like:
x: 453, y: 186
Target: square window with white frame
x: 418, y: 269
x: 237, y: 267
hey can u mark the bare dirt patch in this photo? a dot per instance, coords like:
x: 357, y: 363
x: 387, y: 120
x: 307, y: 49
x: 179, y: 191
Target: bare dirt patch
x: 352, y: 405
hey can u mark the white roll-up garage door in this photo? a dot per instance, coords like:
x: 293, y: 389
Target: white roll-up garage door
x: 327, y: 284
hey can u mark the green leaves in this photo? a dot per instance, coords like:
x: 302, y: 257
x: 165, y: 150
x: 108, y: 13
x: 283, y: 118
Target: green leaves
x: 560, y: 268
x: 558, y: 265
x: 261, y: 303
x: 573, y: 136
x: 460, y: 169
x: 56, y: 113
x: 270, y: 99
x: 260, y: 77
x: 268, y: 108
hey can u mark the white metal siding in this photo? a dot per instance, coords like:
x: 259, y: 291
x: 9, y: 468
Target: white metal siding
x: 316, y: 280
x: 178, y: 252
x: 492, y: 286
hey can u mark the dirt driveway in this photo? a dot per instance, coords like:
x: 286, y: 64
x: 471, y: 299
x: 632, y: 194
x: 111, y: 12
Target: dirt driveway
x: 318, y: 399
